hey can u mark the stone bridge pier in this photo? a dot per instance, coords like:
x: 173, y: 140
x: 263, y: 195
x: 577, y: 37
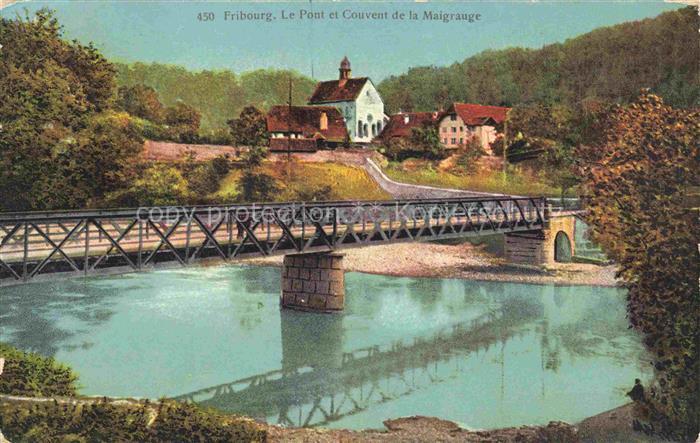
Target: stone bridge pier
x: 554, y: 243
x: 313, y: 282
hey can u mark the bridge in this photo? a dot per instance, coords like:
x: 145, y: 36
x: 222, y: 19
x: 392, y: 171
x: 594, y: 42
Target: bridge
x: 44, y: 245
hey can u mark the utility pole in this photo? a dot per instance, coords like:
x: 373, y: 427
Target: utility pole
x: 289, y: 131
x: 505, y: 144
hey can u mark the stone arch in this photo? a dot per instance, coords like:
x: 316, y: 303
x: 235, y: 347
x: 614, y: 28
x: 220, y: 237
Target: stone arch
x: 562, y: 247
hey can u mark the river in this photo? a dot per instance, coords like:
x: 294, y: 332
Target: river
x: 482, y: 354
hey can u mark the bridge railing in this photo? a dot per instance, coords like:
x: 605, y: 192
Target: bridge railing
x: 36, y: 244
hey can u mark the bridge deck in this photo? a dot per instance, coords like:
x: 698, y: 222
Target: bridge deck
x: 42, y: 245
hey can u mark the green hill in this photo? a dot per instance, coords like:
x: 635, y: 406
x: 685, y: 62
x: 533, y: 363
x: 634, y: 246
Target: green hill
x: 611, y: 63
x: 218, y: 95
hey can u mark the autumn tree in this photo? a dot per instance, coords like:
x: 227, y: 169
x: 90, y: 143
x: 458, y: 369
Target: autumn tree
x: 634, y: 185
x: 141, y: 101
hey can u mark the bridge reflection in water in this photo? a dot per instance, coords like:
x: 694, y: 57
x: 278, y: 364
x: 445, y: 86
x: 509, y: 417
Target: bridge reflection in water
x: 319, y: 383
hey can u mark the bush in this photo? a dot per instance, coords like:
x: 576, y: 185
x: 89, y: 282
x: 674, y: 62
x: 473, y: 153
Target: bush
x: 468, y: 156
x: 310, y: 193
x: 166, y: 421
x: 257, y: 187
x: 30, y: 374
x: 158, y: 185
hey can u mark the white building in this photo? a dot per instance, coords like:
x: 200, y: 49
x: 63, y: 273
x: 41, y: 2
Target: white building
x: 357, y: 100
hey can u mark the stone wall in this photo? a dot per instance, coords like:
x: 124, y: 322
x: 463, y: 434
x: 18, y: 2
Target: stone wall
x: 313, y: 282
x: 537, y: 247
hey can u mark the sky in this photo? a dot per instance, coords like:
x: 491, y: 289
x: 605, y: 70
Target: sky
x: 171, y: 31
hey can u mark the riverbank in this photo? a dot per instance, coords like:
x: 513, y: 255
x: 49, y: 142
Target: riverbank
x: 463, y: 261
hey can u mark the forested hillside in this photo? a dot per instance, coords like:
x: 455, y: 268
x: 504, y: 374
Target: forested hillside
x: 610, y: 64
x: 218, y: 95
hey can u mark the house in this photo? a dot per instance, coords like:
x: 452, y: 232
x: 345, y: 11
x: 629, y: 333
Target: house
x: 463, y: 121
x: 305, y: 128
x: 401, y: 125
x: 357, y: 100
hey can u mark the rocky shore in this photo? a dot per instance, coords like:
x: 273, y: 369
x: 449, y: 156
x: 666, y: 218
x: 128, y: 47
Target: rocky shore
x: 463, y: 261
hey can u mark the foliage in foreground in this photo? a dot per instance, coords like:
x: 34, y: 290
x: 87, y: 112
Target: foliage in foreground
x: 61, y: 142
x: 165, y: 421
x: 33, y: 375
x: 635, y: 185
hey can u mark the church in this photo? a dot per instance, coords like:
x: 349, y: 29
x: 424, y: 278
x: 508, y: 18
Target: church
x: 357, y: 100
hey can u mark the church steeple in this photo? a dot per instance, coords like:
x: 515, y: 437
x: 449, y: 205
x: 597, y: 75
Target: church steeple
x: 345, y: 70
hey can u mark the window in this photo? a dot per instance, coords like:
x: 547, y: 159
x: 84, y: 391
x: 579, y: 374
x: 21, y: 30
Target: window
x: 359, y: 128
x: 379, y: 127
x: 444, y: 129
x: 461, y: 128
x: 454, y: 141
x: 453, y: 118
x: 365, y: 132
x: 461, y: 141
x: 454, y: 129
x: 444, y: 141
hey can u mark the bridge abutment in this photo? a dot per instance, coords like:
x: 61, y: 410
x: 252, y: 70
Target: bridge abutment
x: 554, y: 243
x: 313, y: 282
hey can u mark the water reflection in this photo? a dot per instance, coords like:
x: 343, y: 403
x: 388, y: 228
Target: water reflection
x: 484, y: 354
x: 31, y: 313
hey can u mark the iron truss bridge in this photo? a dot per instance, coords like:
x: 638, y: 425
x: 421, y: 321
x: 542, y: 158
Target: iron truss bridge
x: 35, y: 245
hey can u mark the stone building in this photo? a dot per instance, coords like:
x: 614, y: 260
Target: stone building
x: 463, y: 121
x: 357, y: 100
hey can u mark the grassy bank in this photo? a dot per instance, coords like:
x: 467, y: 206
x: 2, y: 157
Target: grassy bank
x: 69, y: 417
x: 313, y: 181
x: 513, y: 181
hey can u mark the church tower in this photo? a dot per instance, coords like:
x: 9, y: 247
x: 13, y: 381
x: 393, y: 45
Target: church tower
x: 345, y: 71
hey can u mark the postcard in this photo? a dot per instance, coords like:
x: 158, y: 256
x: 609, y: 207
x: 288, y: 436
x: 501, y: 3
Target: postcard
x: 320, y: 221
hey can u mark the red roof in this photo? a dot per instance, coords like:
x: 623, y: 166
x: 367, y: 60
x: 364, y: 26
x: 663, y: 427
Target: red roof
x: 477, y: 115
x: 337, y: 90
x: 306, y: 120
x: 401, y: 125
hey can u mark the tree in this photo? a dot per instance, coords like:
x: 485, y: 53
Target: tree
x: 550, y: 134
x: 250, y: 128
x: 634, y: 185
x: 183, y: 121
x: 609, y: 63
x: 141, y: 101
x: 60, y: 145
x: 427, y: 141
